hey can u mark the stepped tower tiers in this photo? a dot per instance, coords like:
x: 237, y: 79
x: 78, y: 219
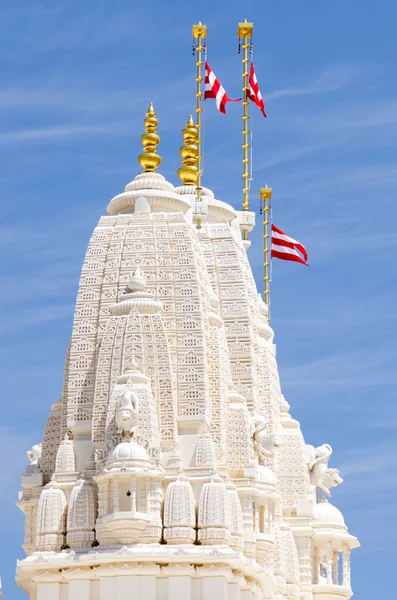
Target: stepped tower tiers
x: 171, y: 467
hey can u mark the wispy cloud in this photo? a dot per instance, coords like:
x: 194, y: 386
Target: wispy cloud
x: 35, y: 9
x: 323, y: 247
x: 78, y: 116
x: 371, y: 460
x: 332, y: 79
x: 371, y: 176
x: 369, y: 483
x: 51, y: 29
x: 343, y: 317
x: 359, y: 369
x: 13, y: 445
x: 346, y: 120
x: 60, y: 94
x: 64, y: 133
x: 32, y: 317
x: 43, y: 268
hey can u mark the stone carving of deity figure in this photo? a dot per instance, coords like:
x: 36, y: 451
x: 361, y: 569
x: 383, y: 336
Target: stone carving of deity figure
x: 126, y: 415
x: 264, y: 442
x: 34, y: 455
x: 321, y: 475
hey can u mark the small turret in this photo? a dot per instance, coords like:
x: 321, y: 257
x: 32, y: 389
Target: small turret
x: 81, y: 515
x: 236, y: 518
x: 214, y: 513
x: 179, y: 512
x: 51, y: 519
x: 205, y: 453
x: 65, y: 462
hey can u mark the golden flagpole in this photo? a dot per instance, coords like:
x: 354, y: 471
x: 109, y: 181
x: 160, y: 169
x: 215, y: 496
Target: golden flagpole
x: 265, y: 198
x: 245, y: 38
x: 199, y: 33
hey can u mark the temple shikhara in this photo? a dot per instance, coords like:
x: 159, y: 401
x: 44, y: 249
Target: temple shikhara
x: 172, y: 468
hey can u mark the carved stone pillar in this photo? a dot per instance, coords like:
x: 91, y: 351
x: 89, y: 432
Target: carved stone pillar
x: 329, y: 564
x: 304, y: 546
x: 262, y: 522
x: 256, y: 516
x: 316, y: 565
x: 270, y: 525
x: 247, y: 506
x: 115, y: 496
x: 335, y: 567
x: 148, y: 496
x: 104, y: 499
x: 346, y: 566
x: 133, y: 496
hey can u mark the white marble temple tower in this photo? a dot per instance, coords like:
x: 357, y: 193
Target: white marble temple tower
x: 171, y: 468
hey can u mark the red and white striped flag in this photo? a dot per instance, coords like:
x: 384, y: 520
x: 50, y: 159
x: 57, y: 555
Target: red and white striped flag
x: 254, y: 93
x: 214, y: 89
x: 286, y: 247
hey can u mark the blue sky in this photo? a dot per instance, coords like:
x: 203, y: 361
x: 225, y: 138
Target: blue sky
x: 76, y: 79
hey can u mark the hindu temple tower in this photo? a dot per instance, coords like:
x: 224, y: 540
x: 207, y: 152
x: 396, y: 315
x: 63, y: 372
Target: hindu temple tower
x: 171, y: 468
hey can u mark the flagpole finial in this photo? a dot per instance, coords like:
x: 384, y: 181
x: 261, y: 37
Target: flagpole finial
x: 149, y: 160
x: 188, y: 173
x: 265, y: 193
x: 245, y: 30
x: 199, y: 30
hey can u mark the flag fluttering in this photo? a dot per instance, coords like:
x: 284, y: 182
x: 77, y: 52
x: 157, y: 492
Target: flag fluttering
x: 254, y: 93
x: 286, y: 248
x: 214, y: 89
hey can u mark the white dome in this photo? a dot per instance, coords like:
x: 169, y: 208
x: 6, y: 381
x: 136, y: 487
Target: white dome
x: 265, y: 475
x: 324, y: 512
x: 126, y: 451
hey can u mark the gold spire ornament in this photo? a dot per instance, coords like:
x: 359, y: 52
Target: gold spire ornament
x: 149, y: 161
x: 188, y: 174
x: 244, y: 34
x: 265, y: 199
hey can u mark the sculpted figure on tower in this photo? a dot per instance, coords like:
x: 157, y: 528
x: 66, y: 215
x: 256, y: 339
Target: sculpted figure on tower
x: 264, y: 441
x: 126, y: 415
x: 34, y: 455
x: 320, y: 474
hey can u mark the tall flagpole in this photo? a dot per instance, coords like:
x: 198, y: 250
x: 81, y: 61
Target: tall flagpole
x: 245, y: 39
x: 266, y: 196
x: 199, y: 33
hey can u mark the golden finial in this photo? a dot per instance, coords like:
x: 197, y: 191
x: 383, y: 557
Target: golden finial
x: 265, y: 193
x: 189, y: 152
x: 149, y: 161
